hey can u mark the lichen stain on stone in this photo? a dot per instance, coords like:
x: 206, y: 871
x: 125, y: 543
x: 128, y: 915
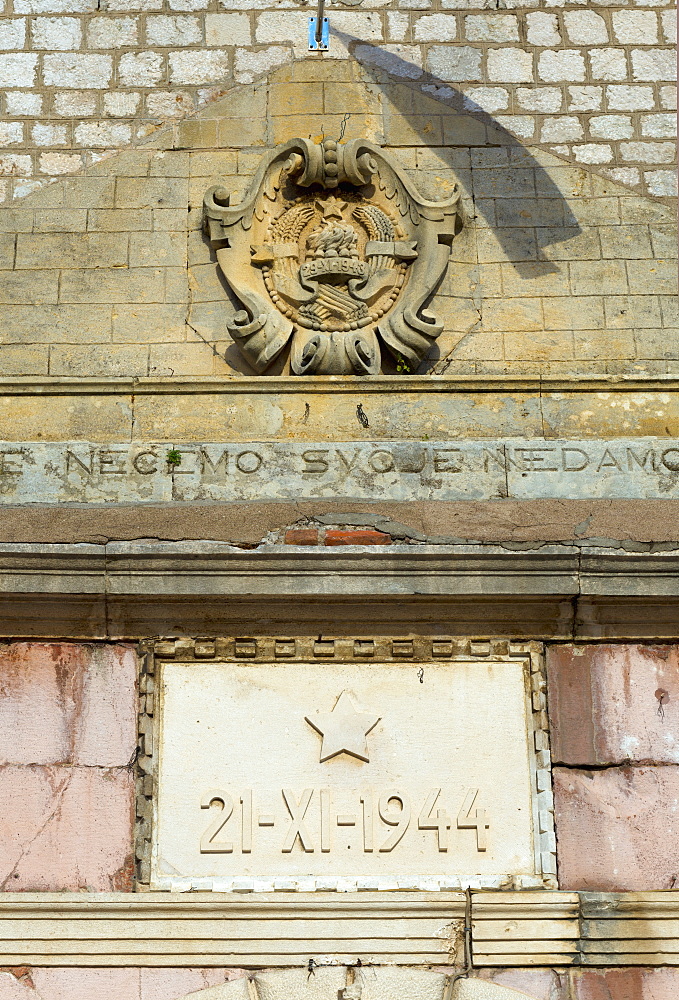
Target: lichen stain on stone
x: 122, y: 880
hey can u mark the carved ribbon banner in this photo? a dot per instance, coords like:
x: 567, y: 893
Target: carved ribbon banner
x: 332, y: 251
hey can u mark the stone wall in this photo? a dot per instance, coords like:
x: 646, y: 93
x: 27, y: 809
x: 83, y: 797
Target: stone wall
x: 557, y: 269
x: 67, y: 733
x: 173, y: 984
x: 79, y: 78
x: 616, y: 774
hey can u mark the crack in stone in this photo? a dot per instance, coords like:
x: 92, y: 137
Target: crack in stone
x: 26, y: 848
x: 646, y: 762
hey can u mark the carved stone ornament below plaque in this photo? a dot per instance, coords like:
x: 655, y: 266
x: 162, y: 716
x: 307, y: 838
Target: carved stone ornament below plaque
x: 333, y: 248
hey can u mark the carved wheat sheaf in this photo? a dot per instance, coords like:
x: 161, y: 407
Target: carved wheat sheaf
x: 334, y: 254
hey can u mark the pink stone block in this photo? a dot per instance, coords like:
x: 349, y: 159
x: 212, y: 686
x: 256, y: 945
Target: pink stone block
x: 617, y: 829
x: 542, y: 984
x: 170, y: 984
x: 626, y: 984
x: 65, y: 828
x: 12, y: 988
x: 612, y: 703
x: 109, y: 984
x: 86, y: 984
x: 67, y: 703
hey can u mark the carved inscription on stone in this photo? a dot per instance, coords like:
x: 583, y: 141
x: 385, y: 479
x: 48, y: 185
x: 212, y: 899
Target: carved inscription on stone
x: 79, y: 472
x: 388, y: 772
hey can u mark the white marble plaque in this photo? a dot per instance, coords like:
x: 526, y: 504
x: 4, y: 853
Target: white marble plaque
x: 296, y: 775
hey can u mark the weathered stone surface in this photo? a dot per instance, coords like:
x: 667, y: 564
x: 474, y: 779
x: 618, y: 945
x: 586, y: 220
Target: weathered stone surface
x: 617, y: 829
x: 298, y: 982
x: 66, y: 703
x: 85, y: 984
x: 374, y: 983
x: 107, y: 419
x: 18, y: 987
x: 249, y: 522
x: 480, y: 989
x: 208, y: 927
x: 80, y: 472
x: 612, y: 703
x: 236, y: 990
x: 419, y: 410
x: 65, y: 828
x: 543, y: 984
x: 400, y: 984
x: 171, y: 984
x: 636, y: 983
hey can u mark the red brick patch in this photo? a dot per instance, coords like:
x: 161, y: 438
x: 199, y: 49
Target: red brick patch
x: 336, y: 536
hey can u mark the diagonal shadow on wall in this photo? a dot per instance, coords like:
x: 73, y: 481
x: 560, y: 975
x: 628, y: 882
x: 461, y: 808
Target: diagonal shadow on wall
x: 532, y: 213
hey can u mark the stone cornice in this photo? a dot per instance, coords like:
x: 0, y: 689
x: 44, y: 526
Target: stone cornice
x: 209, y: 567
x: 369, y: 384
x: 509, y: 928
x: 136, y: 589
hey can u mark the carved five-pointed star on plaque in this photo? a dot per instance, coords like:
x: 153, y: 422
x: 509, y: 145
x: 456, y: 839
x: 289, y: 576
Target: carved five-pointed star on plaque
x: 344, y: 730
x: 332, y: 207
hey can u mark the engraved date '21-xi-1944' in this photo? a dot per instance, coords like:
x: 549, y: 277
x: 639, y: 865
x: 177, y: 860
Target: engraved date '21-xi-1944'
x: 391, y: 808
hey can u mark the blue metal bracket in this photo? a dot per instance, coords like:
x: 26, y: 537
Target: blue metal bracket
x: 321, y: 44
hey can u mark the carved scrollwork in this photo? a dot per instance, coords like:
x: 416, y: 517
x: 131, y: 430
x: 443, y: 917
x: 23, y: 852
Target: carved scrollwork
x: 332, y: 250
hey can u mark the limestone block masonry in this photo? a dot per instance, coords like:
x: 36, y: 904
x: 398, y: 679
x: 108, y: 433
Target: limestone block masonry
x: 595, y: 86
x: 557, y: 270
x: 72, y: 706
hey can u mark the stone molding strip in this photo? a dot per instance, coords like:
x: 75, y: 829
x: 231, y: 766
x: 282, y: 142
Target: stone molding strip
x: 205, y: 588
x: 636, y: 928
x: 207, y: 567
x: 543, y: 928
x: 570, y: 928
x: 366, y: 384
x: 528, y: 928
x: 178, y: 929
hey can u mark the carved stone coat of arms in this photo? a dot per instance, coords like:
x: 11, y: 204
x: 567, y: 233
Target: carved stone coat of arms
x: 333, y: 251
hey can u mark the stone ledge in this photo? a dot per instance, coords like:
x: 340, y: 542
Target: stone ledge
x: 210, y: 929
x: 571, y: 928
x: 209, y: 567
x: 635, y: 928
x: 274, y: 384
x: 203, y: 588
x: 543, y: 928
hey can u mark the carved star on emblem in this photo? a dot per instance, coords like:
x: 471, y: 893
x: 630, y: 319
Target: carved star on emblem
x: 332, y: 207
x: 344, y: 729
